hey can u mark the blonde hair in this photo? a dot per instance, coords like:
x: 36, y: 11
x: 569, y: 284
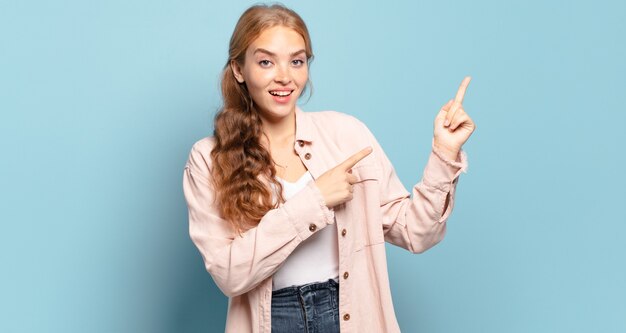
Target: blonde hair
x: 238, y: 156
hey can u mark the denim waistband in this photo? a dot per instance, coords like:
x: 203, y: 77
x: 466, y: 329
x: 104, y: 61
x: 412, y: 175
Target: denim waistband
x: 295, y: 290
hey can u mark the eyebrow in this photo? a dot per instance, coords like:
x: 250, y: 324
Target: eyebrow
x: 274, y: 54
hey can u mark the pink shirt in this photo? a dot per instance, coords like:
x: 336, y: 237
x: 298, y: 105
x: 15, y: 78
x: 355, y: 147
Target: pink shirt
x: 381, y: 210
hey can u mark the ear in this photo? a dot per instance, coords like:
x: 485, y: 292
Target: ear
x: 234, y: 66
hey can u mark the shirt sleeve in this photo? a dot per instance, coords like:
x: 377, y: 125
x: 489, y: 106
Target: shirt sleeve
x: 238, y: 263
x: 416, y: 221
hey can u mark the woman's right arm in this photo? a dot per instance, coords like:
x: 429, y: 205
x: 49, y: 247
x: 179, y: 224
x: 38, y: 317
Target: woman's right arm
x: 240, y: 263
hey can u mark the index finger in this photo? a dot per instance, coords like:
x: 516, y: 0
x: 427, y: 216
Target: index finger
x: 354, y: 159
x: 461, y: 92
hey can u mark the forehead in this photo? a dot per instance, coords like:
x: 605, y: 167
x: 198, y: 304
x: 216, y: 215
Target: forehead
x: 279, y: 40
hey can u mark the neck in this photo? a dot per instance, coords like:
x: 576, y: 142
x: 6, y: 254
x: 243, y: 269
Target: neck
x: 280, y: 131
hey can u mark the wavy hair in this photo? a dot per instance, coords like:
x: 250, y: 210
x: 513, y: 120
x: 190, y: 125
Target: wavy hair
x: 242, y: 167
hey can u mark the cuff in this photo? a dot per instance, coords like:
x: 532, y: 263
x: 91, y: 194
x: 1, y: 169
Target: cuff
x: 441, y: 172
x: 308, y: 211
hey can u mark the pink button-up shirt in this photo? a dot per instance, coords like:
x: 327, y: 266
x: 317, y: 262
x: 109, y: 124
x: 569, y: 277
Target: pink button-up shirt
x: 381, y: 210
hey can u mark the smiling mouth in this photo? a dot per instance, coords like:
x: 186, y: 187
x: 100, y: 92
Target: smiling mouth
x: 281, y: 93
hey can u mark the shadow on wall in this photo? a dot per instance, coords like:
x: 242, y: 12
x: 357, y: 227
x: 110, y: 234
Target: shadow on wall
x: 200, y: 305
x: 196, y: 304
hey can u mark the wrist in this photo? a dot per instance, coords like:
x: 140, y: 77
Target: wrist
x: 447, y: 152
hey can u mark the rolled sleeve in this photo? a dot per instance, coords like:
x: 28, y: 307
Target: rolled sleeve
x: 443, y: 173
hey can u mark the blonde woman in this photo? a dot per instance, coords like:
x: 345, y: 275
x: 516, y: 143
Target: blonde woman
x: 291, y: 209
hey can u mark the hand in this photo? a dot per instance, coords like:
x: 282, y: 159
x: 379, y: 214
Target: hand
x: 452, y: 125
x: 336, y: 183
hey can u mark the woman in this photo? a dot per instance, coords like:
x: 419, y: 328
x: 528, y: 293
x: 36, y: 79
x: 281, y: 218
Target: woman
x: 290, y: 209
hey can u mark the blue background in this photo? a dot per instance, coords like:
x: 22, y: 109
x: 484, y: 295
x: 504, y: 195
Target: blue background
x: 101, y: 101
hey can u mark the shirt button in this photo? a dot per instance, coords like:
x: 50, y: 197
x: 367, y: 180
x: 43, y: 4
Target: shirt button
x: 343, y: 232
x: 345, y: 275
x: 301, y: 143
x: 307, y: 156
x: 312, y: 227
x: 346, y: 316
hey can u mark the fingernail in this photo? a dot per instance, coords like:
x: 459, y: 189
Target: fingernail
x: 447, y: 122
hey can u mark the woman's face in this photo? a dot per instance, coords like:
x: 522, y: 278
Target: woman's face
x: 275, y: 71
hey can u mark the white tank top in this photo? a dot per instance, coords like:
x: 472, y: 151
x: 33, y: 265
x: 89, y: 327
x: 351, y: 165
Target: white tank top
x: 314, y: 260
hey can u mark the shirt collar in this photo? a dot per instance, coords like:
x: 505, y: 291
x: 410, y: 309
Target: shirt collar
x: 304, y: 131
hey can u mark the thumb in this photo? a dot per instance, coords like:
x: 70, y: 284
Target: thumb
x: 441, y: 115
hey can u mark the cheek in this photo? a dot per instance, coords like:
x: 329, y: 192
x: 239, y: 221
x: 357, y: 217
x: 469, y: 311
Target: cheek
x: 302, y: 77
x: 257, y: 81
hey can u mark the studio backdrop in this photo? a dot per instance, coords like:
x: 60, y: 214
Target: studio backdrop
x: 100, y: 102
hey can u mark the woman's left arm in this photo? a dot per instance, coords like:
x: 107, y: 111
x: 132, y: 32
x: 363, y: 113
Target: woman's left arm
x: 417, y: 222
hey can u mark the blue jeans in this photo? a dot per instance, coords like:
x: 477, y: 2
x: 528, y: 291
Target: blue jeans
x: 310, y: 308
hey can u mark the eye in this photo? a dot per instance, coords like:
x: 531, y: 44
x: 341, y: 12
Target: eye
x: 298, y: 62
x: 265, y: 63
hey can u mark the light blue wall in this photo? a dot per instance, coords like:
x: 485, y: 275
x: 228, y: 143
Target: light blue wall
x: 100, y: 102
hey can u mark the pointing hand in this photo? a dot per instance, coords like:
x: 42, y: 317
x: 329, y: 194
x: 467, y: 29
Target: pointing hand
x: 336, y: 183
x: 452, y: 125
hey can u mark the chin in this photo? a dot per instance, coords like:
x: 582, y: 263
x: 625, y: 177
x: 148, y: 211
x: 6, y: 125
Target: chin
x: 277, y: 112
x: 273, y: 110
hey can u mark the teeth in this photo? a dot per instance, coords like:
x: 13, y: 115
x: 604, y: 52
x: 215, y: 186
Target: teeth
x: 280, y: 93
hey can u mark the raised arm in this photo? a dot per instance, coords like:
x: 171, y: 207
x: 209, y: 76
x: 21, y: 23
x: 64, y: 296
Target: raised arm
x: 417, y: 223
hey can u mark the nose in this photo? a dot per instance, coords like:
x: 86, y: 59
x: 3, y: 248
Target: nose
x: 282, y: 75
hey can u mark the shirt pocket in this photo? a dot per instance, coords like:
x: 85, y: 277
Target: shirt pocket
x: 364, y: 208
